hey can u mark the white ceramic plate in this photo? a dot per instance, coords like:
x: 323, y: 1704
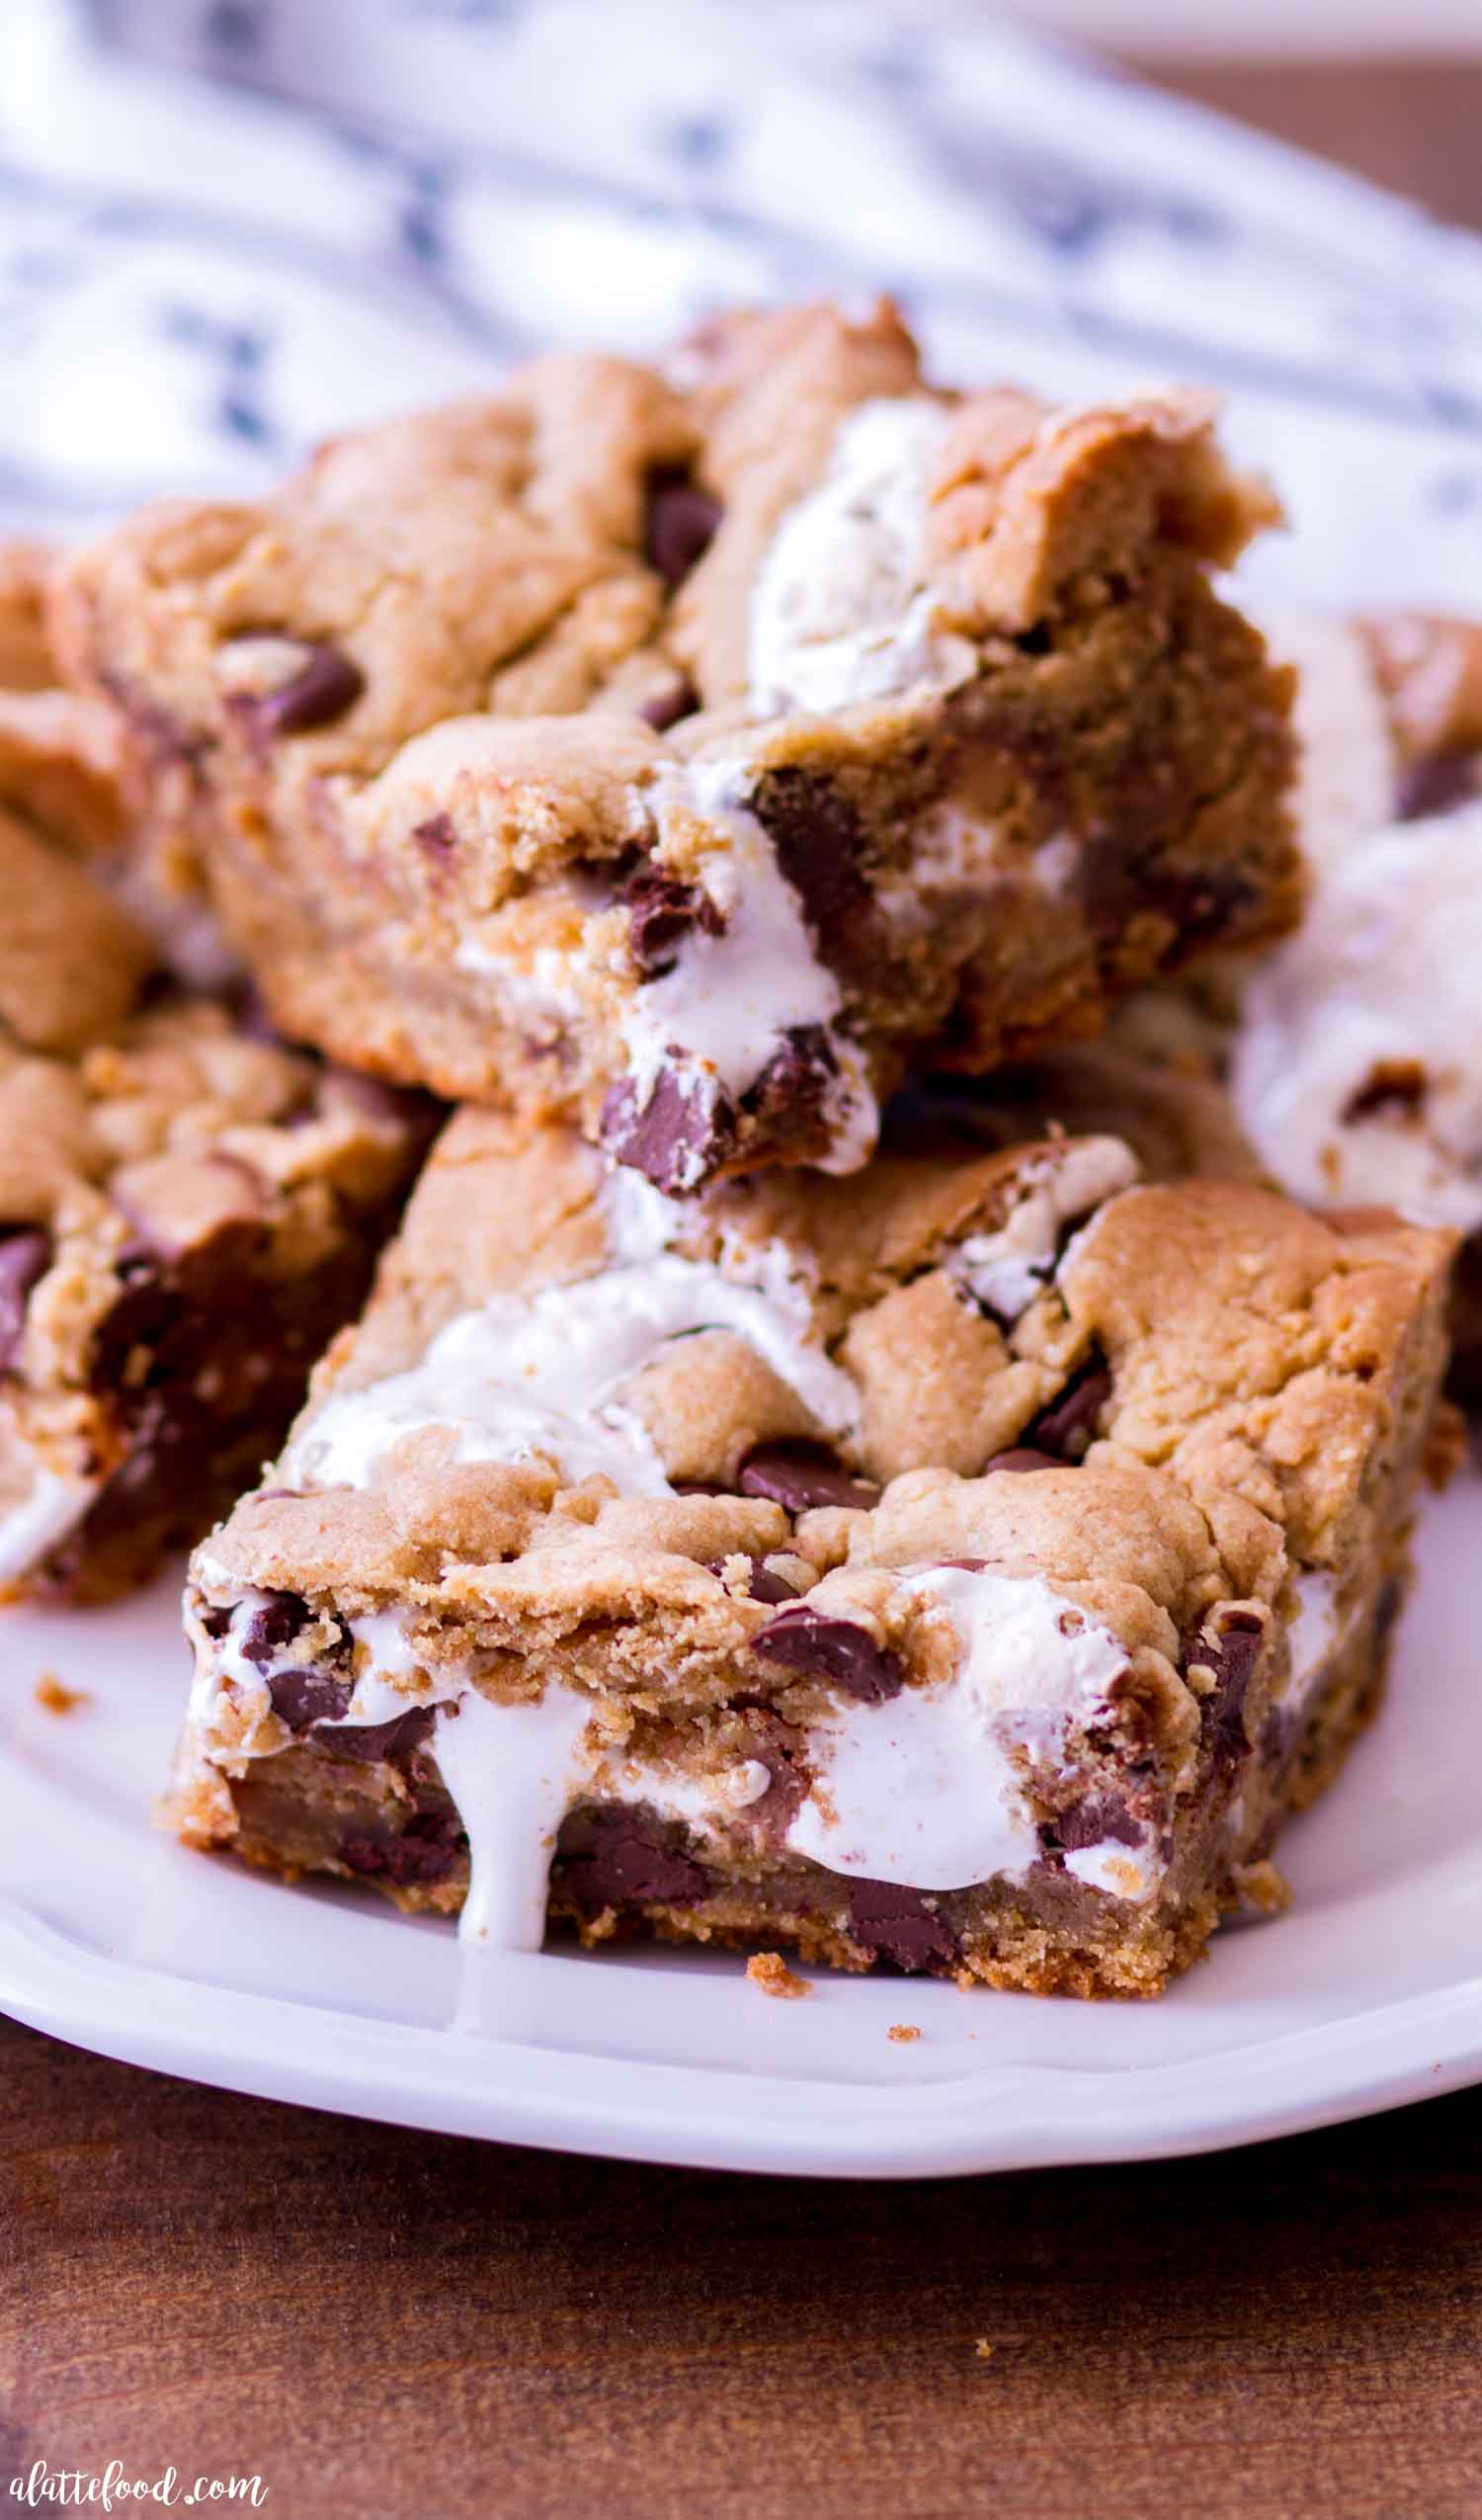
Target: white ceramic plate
x: 1368, y: 1993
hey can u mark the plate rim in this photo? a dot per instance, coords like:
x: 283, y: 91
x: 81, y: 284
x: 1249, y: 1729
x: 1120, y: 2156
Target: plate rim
x: 988, y: 2120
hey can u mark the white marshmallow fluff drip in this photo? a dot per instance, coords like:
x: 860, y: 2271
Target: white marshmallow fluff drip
x: 1005, y: 1270
x: 1380, y: 983
x: 923, y: 1788
x: 841, y: 611
x: 724, y: 1009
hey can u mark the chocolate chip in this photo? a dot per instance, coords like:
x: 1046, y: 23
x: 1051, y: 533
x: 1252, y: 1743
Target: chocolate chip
x: 1022, y: 1456
x: 1066, y: 1429
x: 895, y: 1924
x: 662, y: 912
x: 1114, y: 883
x: 437, y: 837
x: 1232, y: 1659
x: 25, y: 1255
x: 666, y: 708
x: 766, y: 1584
x: 274, y: 1624
x: 1394, y: 1089
x: 610, y: 1858
x: 763, y: 1583
x: 327, y: 683
x: 796, y: 1472
x: 1435, y: 785
x: 793, y: 1088
x: 679, y: 522
x: 837, y: 1650
x: 308, y: 1697
x: 396, y: 1738
x: 683, y: 1133
x: 1091, y: 1821
x: 426, y: 1850
x: 215, y: 1622
x: 818, y: 841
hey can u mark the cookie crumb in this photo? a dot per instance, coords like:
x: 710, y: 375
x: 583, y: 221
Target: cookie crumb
x: 1444, y: 1446
x: 983, y: 2350
x: 51, y: 1694
x: 904, y: 2030
x: 1263, y: 1888
x: 768, y: 1970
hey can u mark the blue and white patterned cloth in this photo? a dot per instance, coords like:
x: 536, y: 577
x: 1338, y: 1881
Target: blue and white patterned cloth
x: 229, y: 227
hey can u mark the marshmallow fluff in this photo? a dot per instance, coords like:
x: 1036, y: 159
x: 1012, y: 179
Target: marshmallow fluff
x: 722, y: 1010
x: 36, y: 1521
x: 538, y: 1376
x: 1357, y: 1069
x: 1347, y: 763
x: 512, y: 1771
x: 841, y: 611
x: 923, y: 1788
x: 1005, y: 1270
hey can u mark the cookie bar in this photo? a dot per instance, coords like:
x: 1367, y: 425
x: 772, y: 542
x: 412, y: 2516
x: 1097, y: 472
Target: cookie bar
x: 1355, y: 1049
x: 681, y: 753
x: 187, y: 1214
x: 63, y: 781
x: 963, y: 1563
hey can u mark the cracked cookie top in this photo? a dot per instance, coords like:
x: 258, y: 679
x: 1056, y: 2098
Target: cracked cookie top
x: 660, y: 748
x: 572, y: 1400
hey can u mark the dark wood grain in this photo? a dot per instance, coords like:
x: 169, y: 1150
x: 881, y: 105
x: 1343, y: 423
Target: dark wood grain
x: 1410, y: 124
x: 383, y: 2322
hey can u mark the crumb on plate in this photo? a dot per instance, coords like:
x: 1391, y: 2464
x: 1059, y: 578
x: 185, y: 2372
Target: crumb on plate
x: 57, y: 1697
x: 904, y: 2030
x: 768, y: 1970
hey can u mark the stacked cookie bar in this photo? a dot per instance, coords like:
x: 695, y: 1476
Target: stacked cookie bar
x: 758, y: 1502
x: 187, y: 1209
x: 964, y: 1562
x: 1345, y: 1066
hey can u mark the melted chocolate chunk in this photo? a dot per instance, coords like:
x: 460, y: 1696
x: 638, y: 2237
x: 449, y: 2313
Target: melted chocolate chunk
x: 396, y: 1738
x: 427, y: 1850
x: 766, y: 1585
x: 1024, y: 1457
x: 796, y: 1472
x: 661, y: 913
x: 1435, y: 785
x: 666, y: 708
x: 1067, y: 1428
x: 327, y: 683
x: 437, y: 837
x: 791, y: 1093
x: 818, y: 840
x: 612, y: 1859
x: 202, y: 1360
x: 1394, y: 1089
x: 837, y: 1650
x: 895, y: 1924
x: 683, y: 1133
x: 679, y: 522
x: 308, y: 1697
x: 1091, y: 1823
x: 25, y: 1255
x: 273, y: 1625
x: 147, y: 1309
x: 1113, y: 883
x: 1233, y: 1660
x: 763, y: 1582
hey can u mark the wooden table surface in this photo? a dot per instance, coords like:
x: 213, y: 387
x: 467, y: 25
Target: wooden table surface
x: 378, y: 2322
